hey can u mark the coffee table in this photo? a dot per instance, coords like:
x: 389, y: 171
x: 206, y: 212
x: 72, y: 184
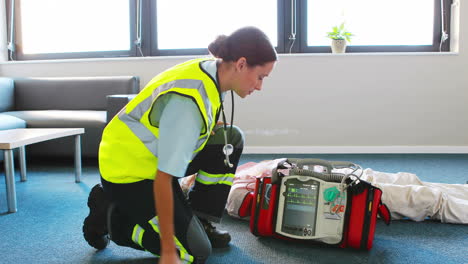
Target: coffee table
x: 19, y: 138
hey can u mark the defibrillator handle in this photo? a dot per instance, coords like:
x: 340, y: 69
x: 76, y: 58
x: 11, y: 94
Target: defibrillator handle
x: 305, y: 167
x: 305, y: 163
x: 330, y: 165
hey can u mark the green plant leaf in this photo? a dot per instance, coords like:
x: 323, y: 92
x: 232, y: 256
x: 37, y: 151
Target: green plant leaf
x: 342, y: 26
x: 340, y: 33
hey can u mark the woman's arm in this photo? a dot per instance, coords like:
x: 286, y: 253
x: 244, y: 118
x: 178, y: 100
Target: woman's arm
x: 163, y: 195
x: 180, y: 124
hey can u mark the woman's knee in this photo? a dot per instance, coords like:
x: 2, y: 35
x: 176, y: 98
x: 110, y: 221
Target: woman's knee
x: 199, y: 244
x: 234, y: 135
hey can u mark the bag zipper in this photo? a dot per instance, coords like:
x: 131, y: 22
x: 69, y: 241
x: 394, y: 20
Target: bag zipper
x: 257, y: 208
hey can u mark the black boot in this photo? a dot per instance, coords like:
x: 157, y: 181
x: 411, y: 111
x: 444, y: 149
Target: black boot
x: 95, y: 224
x: 218, y: 238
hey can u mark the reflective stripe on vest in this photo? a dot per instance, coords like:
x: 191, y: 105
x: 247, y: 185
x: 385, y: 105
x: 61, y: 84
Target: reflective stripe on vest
x: 210, y: 179
x: 132, y: 119
x: 184, y: 255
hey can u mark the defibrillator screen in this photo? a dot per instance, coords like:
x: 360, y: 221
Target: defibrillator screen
x: 300, y: 210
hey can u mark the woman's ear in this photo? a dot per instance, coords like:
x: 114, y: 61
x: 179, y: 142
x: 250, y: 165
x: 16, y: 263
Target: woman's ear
x: 241, y: 63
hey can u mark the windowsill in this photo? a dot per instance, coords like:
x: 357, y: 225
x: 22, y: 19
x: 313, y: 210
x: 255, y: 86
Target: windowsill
x: 375, y: 54
x: 187, y: 57
x: 85, y: 60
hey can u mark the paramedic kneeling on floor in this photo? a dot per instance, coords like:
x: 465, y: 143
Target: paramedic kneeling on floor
x: 169, y: 130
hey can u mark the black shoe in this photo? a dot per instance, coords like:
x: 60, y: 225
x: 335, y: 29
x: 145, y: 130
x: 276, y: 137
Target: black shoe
x: 218, y: 238
x: 199, y: 260
x: 95, y: 224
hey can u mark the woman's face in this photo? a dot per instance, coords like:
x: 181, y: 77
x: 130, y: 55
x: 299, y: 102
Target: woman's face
x: 250, y: 78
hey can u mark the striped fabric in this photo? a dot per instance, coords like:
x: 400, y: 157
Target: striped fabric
x: 211, y: 179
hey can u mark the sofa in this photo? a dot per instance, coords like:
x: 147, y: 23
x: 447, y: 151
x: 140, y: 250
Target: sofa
x: 65, y: 102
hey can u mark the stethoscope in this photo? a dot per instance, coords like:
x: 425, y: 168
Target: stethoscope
x: 228, y: 149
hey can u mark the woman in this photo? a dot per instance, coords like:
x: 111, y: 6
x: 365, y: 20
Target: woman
x: 169, y: 130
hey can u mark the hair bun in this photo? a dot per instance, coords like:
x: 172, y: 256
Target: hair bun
x: 248, y: 42
x: 218, y: 48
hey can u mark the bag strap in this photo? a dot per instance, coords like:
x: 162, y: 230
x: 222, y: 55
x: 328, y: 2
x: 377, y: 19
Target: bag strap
x: 257, y: 204
x: 384, y: 213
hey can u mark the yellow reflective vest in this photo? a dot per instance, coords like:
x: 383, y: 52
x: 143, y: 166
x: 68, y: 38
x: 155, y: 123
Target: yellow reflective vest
x: 129, y: 145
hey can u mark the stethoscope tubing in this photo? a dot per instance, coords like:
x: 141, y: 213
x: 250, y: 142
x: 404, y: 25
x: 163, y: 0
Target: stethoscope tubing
x: 228, y: 149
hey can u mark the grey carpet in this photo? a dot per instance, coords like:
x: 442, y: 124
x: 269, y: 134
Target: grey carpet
x: 51, y: 208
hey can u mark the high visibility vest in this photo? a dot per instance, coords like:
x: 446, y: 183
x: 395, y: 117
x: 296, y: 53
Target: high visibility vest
x: 129, y: 147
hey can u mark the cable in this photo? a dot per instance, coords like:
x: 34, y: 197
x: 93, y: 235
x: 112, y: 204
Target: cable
x: 348, y: 175
x: 292, y: 43
x: 11, y: 44
x: 138, y: 24
x: 292, y: 37
x: 139, y: 49
x: 232, y: 112
x: 444, y: 36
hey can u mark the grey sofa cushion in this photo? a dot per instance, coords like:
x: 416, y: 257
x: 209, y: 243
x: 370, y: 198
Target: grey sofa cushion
x: 6, y: 94
x: 11, y: 122
x: 92, y: 121
x: 70, y: 93
x: 61, y: 102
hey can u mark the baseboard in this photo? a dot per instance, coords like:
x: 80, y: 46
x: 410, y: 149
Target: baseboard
x: 355, y: 149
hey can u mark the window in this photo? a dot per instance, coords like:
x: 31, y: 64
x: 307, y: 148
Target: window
x: 192, y: 28
x: 372, y: 22
x: 74, y: 29
x: 377, y: 25
x: 52, y: 29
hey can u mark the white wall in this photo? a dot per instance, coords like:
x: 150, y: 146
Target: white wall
x: 318, y: 103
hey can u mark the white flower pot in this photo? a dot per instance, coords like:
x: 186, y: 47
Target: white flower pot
x: 338, y: 46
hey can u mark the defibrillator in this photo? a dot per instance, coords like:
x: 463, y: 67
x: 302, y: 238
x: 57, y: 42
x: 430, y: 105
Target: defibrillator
x: 315, y: 200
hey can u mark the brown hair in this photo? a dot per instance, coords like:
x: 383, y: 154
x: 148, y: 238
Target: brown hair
x: 248, y: 42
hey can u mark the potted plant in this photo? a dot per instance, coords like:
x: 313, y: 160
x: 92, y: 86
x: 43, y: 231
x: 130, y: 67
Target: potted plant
x: 339, y: 37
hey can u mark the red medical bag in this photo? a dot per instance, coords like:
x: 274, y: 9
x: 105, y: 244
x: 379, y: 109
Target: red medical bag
x: 311, y: 212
